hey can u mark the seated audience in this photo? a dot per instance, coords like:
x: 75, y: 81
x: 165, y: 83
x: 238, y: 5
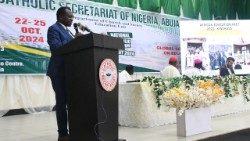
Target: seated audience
x: 171, y: 70
x: 227, y: 69
x: 127, y: 74
x: 198, y: 69
x: 237, y: 67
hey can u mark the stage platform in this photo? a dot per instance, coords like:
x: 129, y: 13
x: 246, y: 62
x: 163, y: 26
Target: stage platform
x: 42, y: 127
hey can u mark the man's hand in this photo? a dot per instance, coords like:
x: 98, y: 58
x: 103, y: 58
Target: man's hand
x: 82, y: 27
x: 78, y: 34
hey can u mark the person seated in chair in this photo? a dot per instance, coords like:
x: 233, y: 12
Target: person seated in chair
x: 127, y: 74
x: 171, y: 70
x: 237, y: 67
x: 197, y: 70
x: 227, y: 69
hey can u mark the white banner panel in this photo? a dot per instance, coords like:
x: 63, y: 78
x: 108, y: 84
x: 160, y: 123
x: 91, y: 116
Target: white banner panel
x: 214, y: 41
x: 149, y: 38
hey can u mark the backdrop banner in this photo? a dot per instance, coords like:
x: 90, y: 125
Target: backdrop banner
x: 149, y: 38
x: 214, y: 41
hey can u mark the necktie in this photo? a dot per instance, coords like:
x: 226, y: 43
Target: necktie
x: 70, y: 33
x: 231, y: 70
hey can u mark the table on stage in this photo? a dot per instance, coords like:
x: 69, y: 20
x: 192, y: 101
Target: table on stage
x: 138, y: 108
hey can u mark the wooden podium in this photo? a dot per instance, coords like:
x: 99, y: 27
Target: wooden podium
x: 92, y: 111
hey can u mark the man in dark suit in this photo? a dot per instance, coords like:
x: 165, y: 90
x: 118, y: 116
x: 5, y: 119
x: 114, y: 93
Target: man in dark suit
x: 58, y: 35
x: 227, y: 69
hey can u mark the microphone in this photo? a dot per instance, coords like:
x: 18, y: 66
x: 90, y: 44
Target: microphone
x: 76, y: 27
x: 87, y: 29
x: 131, y: 81
x: 82, y: 27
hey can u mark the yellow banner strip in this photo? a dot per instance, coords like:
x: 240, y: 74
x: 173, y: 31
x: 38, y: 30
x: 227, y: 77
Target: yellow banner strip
x: 28, y: 50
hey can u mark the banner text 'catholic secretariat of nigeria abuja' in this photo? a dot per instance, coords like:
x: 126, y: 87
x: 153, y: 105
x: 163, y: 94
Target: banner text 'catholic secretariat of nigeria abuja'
x: 79, y: 8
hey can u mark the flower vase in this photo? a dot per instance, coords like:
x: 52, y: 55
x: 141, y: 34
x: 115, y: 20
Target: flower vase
x: 193, y: 121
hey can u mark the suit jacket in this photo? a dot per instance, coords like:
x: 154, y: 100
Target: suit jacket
x: 57, y: 37
x: 224, y: 71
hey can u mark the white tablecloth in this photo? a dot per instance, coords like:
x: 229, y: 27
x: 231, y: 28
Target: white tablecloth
x: 138, y: 108
x: 33, y: 93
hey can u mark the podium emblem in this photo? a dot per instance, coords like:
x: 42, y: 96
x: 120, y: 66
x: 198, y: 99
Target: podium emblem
x: 108, y: 74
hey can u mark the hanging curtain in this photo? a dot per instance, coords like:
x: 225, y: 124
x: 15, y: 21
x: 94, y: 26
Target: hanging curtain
x: 150, y: 5
x: 204, y: 7
x: 171, y: 7
x: 231, y: 13
x: 197, y: 4
x: 103, y: 1
x: 247, y: 9
x: 220, y: 8
x: 188, y: 8
x: 241, y: 9
x: 128, y: 3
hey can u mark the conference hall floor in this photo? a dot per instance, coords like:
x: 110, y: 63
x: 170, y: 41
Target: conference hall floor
x: 42, y: 127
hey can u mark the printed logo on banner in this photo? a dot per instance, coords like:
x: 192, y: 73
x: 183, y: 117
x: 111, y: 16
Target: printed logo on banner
x: 108, y: 74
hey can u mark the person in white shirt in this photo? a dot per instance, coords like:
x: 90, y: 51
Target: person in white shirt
x: 198, y: 69
x: 171, y: 70
x: 127, y: 74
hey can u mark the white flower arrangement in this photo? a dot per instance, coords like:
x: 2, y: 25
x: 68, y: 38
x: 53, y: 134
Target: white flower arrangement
x: 197, y: 91
x: 202, y: 94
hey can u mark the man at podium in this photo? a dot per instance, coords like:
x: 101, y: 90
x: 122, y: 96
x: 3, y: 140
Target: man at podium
x: 57, y: 36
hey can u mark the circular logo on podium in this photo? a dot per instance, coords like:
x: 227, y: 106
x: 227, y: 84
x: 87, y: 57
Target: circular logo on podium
x: 108, y: 74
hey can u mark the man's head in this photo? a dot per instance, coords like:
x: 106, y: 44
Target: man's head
x: 230, y: 61
x: 65, y: 16
x: 130, y: 69
x: 198, y: 64
x: 173, y: 61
